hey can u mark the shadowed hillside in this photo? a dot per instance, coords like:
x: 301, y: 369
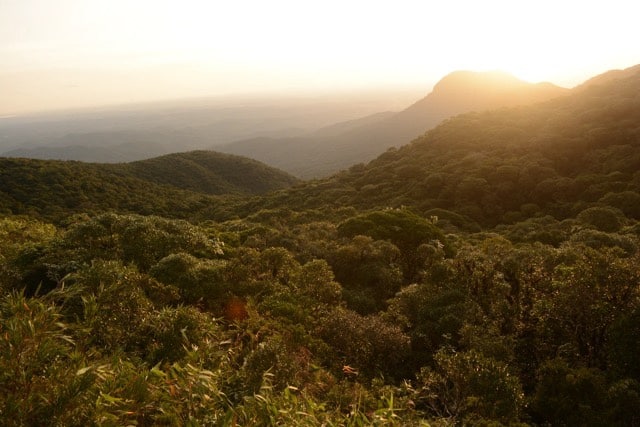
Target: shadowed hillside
x: 176, y: 185
x: 210, y: 172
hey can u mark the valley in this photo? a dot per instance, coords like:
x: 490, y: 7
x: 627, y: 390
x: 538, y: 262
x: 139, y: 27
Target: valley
x: 471, y: 259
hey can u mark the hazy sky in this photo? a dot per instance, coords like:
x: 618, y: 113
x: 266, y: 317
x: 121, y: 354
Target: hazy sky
x: 69, y: 53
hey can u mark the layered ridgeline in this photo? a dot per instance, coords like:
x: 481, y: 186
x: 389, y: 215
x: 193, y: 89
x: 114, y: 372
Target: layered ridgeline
x: 175, y: 185
x: 557, y: 157
x: 336, y: 147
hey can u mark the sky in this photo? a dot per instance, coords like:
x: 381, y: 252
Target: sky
x: 57, y: 54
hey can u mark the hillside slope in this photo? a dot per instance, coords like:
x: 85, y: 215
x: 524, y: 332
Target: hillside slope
x: 558, y: 157
x: 324, y: 152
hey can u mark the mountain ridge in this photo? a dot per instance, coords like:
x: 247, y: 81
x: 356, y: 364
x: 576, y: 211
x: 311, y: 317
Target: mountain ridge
x: 557, y: 157
x: 456, y: 93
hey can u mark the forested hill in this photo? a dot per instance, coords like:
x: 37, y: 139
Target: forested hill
x: 176, y: 185
x: 327, y: 151
x: 556, y: 158
x: 211, y: 172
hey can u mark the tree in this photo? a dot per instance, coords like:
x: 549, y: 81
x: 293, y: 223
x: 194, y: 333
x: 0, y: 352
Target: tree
x: 316, y: 281
x: 468, y: 387
x: 200, y: 281
x: 590, y: 290
x: 602, y: 218
x: 368, y: 344
x: 369, y: 271
x: 401, y: 227
x: 569, y: 396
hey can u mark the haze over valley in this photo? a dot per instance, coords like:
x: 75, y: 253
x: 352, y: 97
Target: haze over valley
x: 135, y: 132
x: 84, y: 81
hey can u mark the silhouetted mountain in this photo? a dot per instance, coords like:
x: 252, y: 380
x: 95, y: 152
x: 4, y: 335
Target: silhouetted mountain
x: 464, y: 91
x: 324, y: 152
x: 176, y: 185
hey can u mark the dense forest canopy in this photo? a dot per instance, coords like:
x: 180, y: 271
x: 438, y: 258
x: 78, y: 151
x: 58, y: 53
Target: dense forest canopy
x: 484, y: 274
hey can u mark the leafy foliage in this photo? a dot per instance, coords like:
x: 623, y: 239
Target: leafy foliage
x: 507, y: 291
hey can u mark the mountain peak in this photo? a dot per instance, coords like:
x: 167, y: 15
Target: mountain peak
x: 462, y: 91
x: 486, y: 80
